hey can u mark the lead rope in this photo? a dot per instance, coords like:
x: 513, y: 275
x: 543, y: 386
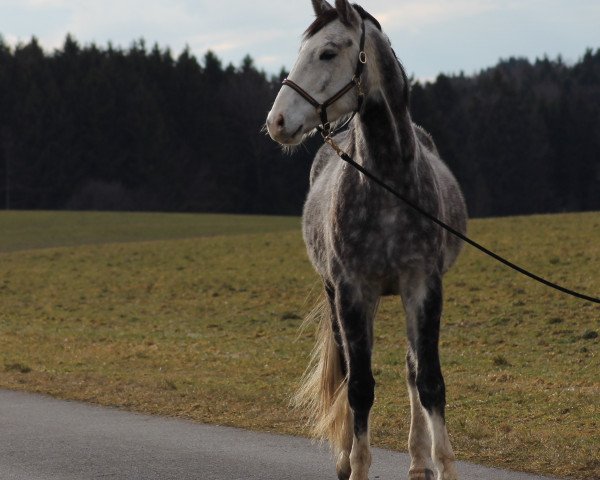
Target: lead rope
x: 345, y: 157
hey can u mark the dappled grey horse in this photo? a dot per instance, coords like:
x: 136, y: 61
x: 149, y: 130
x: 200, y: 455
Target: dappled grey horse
x: 364, y: 242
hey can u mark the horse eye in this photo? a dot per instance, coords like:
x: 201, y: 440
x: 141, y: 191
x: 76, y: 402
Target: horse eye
x: 328, y: 55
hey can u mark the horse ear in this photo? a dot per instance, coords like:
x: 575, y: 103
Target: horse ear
x: 321, y: 6
x: 347, y: 14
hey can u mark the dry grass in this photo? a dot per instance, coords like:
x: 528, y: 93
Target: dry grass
x: 207, y: 328
x: 31, y: 230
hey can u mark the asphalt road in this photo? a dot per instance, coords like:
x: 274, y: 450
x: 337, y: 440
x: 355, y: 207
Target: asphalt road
x: 46, y: 439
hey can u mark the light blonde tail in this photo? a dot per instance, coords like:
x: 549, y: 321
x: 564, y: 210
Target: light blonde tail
x: 323, y: 392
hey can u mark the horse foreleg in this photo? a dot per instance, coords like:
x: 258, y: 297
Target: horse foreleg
x: 355, y: 314
x: 419, y: 439
x: 423, y: 303
x: 343, y: 437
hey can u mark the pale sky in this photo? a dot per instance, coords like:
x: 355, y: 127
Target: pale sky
x: 429, y: 36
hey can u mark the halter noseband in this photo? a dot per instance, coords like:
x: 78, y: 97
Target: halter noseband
x: 325, y: 127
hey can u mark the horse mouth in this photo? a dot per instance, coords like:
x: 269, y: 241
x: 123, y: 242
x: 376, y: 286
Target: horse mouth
x: 295, y: 138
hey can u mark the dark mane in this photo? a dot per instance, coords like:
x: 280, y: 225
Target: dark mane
x: 406, y: 87
x: 367, y: 16
x: 330, y: 15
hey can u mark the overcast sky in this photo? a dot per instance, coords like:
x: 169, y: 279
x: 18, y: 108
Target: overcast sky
x: 430, y: 36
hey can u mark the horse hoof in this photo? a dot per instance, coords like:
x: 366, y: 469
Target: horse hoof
x: 421, y: 474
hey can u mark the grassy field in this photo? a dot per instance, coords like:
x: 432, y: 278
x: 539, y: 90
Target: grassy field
x: 198, y: 316
x: 32, y: 230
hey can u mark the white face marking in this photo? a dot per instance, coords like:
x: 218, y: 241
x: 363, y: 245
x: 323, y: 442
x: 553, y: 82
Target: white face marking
x: 325, y: 64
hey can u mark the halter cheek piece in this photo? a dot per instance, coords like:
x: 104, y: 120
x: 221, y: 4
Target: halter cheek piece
x: 356, y: 82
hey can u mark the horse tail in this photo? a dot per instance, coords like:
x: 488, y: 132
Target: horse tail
x: 323, y: 392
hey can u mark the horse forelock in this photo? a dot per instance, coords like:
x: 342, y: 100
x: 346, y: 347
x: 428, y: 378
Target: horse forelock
x: 320, y: 22
x: 329, y: 16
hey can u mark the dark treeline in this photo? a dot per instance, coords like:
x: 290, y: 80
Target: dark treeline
x: 141, y: 129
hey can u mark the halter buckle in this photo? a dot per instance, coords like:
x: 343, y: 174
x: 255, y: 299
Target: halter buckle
x: 358, y: 82
x: 333, y: 145
x: 362, y: 57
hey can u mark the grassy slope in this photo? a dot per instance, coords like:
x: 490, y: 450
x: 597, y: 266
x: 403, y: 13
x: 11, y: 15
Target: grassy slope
x: 207, y: 328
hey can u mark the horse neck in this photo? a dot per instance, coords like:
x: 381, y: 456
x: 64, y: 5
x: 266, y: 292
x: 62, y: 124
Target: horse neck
x: 385, y: 136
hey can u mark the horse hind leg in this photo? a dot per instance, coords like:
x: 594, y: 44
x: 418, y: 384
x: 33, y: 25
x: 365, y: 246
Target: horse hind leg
x: 423, y: 304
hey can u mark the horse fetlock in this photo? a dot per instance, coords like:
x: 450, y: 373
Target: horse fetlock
x: 360, y: 458
x: 442, y: 453
x: 342, y: 466
x: 360, y: 473
x: 448, y: 472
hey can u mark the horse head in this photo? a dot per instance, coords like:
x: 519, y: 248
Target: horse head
x: 323, y: 76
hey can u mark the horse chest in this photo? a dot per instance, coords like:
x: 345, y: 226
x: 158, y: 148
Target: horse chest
x: 363, y: 232
x: 376, y: 237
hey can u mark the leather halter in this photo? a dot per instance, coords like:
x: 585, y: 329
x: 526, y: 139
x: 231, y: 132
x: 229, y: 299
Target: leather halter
x: 356, y: 82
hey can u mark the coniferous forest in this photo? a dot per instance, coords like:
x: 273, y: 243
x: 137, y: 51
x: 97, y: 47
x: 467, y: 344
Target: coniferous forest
x: 105, y: 128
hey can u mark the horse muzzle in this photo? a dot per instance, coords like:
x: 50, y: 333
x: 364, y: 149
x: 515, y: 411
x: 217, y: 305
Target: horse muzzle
x: 283, y: 130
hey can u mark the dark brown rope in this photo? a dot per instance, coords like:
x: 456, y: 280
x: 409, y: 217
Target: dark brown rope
x: 344, y: 156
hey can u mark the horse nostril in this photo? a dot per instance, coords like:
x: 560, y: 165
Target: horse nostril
x: 280, y: 122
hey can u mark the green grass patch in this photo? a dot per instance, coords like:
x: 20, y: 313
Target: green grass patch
x: 207, y: 328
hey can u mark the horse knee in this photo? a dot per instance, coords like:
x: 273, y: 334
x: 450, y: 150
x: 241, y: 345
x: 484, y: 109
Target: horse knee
x: 361, y: 393
x: 432, y: 392
x: 361, y: 396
